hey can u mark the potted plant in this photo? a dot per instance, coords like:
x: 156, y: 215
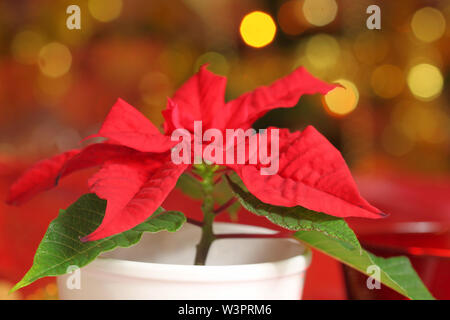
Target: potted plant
x: 298, y: 181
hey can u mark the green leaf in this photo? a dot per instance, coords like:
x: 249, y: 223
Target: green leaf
x: 396, y: 273
x: 299, y: 218
x: 61, y: 246
x: 334, y: 237
x: 223, y: 194
x: 190, y: 186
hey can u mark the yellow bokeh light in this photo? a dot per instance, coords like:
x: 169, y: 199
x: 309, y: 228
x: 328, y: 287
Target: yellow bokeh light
x: 428, y: 24
x: 26, y: 45
x: 105, y: 10
x: 322, y: 51
x: 55, y: 60
x: 5, y: 294
x: 257, y: 29
x: 425, y: 81
x: 342, y: 100
x: 320, y: 12
x: 387, y: 81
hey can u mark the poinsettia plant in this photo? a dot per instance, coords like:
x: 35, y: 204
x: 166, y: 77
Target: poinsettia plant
x: 308, y: 192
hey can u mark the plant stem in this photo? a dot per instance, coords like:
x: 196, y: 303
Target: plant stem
x: 252, y: 236
x: 207, y: 237
x: 207, y: 233
x: 194, y: 222
x: 225, y: 206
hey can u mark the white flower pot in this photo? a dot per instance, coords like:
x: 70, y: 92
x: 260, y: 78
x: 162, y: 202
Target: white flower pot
x: 161, y: 267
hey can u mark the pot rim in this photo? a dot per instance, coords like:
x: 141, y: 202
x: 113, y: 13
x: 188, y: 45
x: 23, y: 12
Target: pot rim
x: 214, y: 273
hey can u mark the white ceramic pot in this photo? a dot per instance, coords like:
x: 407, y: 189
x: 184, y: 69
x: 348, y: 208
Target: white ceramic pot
x: 161, y: 267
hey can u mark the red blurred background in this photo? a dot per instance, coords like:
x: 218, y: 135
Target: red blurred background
x: 390, y: 119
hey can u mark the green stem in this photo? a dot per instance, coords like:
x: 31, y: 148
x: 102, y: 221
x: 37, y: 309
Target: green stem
x: 207, y: 232
x: 207, y: 237
x: 279, y: 235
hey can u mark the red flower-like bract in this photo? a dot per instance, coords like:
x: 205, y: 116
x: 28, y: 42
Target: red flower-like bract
x: 137, y: 173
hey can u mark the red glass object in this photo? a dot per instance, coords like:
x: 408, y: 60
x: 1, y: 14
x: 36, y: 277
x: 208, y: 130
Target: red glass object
x: 426, y: 244
x: 418, y: 227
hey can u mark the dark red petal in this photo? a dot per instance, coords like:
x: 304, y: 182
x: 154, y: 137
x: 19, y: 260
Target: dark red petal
x: 95, y: 154
x: 199, y: 98
x: 283, y: 93
x: 312, y: 174
x: 40, y: 177
x: 133, y: 190
x: 127, y: 126
x: 45, y: 174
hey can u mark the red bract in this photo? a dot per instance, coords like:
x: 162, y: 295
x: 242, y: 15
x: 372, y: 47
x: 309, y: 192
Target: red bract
x: 137, y: 174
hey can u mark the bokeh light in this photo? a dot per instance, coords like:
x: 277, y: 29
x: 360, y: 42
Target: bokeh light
x: 26, y: 45
x: 49, y: 292
x: 5, y: 294
x: 55, y: 60
x: 322, y: 51
x: 257, y: 29
x: 425, y: 81
x: 420, y: 121
x: 342, y: 100
x: 391, y: 117
x: 320, y: 12
x: 49, y: 90
x: 105, y: 10
x: 428, y: 24
x: 290, y: 17
x: 217, y: 62
x: 387, y: 81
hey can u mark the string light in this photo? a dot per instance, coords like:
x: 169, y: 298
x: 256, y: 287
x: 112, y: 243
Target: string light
x: 322, y: 51
x: 428, y: 24
x: 425, y: 81
x: 257, y: 29
x: 55, y: 60
x: 105, y: 10
x: 342, y: 100
x: 320, y: 12
x: 5, y: 294
x: 26, y: 45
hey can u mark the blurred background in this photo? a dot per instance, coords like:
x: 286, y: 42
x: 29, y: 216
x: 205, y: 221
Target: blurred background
x: 390, y: 119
